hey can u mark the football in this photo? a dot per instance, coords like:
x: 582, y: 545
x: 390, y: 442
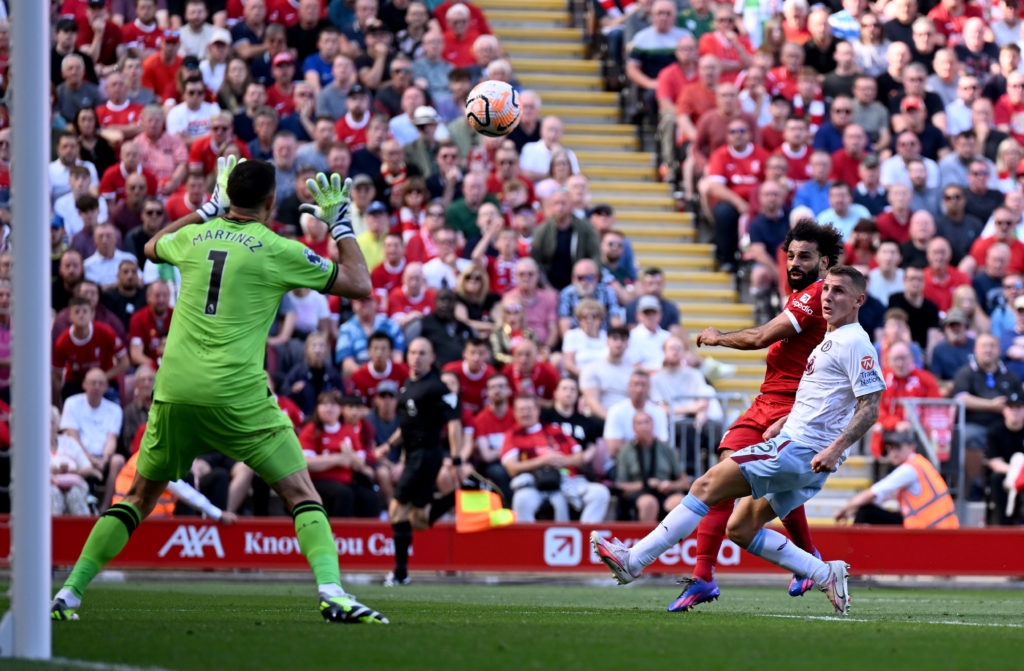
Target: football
x: 492, y: 108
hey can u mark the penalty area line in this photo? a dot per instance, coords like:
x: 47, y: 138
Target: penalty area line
x: 102, y: 666
x: 839, y: 618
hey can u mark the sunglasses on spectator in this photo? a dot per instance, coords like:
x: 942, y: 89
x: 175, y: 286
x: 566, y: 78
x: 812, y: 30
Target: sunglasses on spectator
x: 478, y: 278
x: 953, y: 196
x: 586, y: 278
x: 154, y: 213
x: 737, y: 131
x: 1014, y: 285
x: 195, y: 93
x: 1004, y: 222
x: 980, y: 173
x: 513, y: 308
x: 435, y: 213
x: 386, y: 394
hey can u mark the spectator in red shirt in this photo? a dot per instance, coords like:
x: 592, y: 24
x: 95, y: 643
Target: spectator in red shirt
x: 528, y: 375
x: 477, y: 18
x: 380, y: 367
x: 86, y: 344
x: 459, y: 37
x: 1005, y: 225
x: 112, y: 183
x: 204, y: 152
x: 491, y: 424
x: 846, y: 161
x: 796, y: 148
x: 190, y: 198
x: 903, y: 379
x: 388, y: 275
x: 781, y: 81
x: 732, y: 49
x: 143, y: 32
x: 99, y: 37
x: 940, y: 278
x: 413, y: 299
x: 473, y: 372
x: 119, y: 114
x: 949, y: 17
x: 149, y: 326
x: 280, y: 94
x: 160, y: 71
x: 733, y: 172
x: 894, y: 223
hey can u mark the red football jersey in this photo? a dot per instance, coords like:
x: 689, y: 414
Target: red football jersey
x: 780, y: 82
x: 141, y: 37
x: 741, y: 171
x: 203, y: 153
x: 112, y: 182
x: 126, y: 114
x: 384, y: 278
x: 524, y: 444
x: 787, y: 358
x: 799, y: 172
x: 365, y: 380
x: 148, y: 331
x: 492, y: 427
x: 474, y: 387
x: 98, y: 350
x: 1005, y: 112
x: 282, y: 102
x: 352, y: 132
x: 501, y: 273
x: 321, y: 442
x: 542, y: 380
x: 399, y: 303
x: 290, y: 410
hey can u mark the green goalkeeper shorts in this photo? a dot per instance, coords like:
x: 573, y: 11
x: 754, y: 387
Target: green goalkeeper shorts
x: 259, y: 434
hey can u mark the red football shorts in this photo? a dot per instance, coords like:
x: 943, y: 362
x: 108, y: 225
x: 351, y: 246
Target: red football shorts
x: 749, y: 428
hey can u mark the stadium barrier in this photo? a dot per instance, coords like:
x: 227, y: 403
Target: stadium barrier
x: 269, y: 543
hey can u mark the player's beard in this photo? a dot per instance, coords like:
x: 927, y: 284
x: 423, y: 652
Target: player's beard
x: 804, y: 280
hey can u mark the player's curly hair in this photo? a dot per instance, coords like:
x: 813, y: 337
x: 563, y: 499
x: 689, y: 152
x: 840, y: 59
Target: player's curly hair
x: 826, y: 237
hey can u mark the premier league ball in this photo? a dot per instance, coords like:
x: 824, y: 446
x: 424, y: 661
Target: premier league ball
x: 492, y: 108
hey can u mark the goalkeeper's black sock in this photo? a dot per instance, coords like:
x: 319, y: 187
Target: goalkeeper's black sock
x: 402, y: 534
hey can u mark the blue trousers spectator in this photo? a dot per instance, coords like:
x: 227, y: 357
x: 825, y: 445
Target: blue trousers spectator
x: 727, y: 222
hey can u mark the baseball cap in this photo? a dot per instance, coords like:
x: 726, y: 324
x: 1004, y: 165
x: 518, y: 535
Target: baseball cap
x: 1018, y: 303
x: 870, y: 161
x: 387, y: 387
x: 283, y: 57
x: 190, y: 62
x: 170, y: 36
x: 67, y: 25
x: 425, y: 114
x: 220, y: 35
x: 911, y: 103
x: 897, y: 437
x: 357, y: 90
x: 361, y: 179
x: 97, y: 3
x: 648, y: 302
x: 376, y: 207
x: 955, y: 316
x: 603, y: 209
x: 351, y: 399
x: 57, y: 221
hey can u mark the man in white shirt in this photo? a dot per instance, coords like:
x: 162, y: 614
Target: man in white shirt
x: 618, y: 426
x: 535, y: 159
x: 647, y: 339
x: 78, y: 179
x: 843, y: 213
x: 95, y: 422
x: 837, y: 401
x: 604, y: 383
x: 60, y: 169
x: 196, y: 34
x: 102, y: 266
x: 887, y: 278
x: 191, y: 119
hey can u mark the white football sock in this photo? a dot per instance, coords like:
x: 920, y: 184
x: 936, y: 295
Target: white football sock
x: 676, y: 526
x: 330, y: 590
x: 69, y: 598
x: 778, y: 549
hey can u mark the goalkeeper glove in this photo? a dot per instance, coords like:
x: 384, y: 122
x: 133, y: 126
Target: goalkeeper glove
x: 219, y: 203
x: 331, y: 206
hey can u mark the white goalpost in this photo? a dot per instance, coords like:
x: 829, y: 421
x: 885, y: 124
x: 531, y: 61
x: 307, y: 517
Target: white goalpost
x: 25, y: 629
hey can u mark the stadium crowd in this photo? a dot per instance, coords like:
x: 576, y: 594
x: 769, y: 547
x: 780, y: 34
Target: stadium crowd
x: 495, y: 250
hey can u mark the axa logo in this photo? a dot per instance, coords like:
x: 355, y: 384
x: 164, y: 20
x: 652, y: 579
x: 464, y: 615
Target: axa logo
x: 193, y: 541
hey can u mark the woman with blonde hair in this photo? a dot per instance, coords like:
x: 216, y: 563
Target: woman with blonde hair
x: 559, y: 173
x: 588, y: 342
x: 475, y: 300
x: 1008, y: 157
x: 965, y: 298
x: 510, y: 329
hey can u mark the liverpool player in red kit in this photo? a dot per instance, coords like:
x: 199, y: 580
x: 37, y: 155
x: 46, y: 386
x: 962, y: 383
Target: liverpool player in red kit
x: 790, y: 337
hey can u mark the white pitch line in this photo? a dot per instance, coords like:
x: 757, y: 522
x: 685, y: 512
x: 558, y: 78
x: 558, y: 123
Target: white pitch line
x: 836, y: 618
x: 103, y: 666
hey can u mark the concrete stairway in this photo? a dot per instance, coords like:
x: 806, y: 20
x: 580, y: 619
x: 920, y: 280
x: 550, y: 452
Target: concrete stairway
x: 547, y: 57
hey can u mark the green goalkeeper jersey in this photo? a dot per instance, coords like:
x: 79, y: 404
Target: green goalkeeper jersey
x: 233, y: 275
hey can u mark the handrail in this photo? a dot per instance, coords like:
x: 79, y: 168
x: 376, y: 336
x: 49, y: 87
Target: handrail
x: 911, y: 405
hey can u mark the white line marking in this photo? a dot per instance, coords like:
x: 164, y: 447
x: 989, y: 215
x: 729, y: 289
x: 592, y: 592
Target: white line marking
x: 952, y: 623
x: 103, y: 666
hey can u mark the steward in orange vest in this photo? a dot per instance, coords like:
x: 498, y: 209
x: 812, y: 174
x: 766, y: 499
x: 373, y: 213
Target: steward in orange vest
x: 923, y: 495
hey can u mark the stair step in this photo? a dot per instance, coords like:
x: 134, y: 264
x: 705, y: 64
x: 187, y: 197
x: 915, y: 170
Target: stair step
x: 596, y: 172
x: 722, y: 309
x: 709, y: 278
x: 614, y: 157
x: 521, y: 4
x: 668, y: 219
x: 537, y: 33
x: 525, y: 65
x: 547, y: 49
x: 648, y: 201
x: 690, y: 248
x: 726, y: 354
x: 617, y: 128
x: 675, y: 262
x: 587, y: 142
x: 581, y: 111
x: 543, y: 82
x: 496, y: 17
x: 747, y: 386
x: 573, y: 97
x: 624, y: 185
x: 635, y: 233
x: 689, y: 295
x: 848, y: 484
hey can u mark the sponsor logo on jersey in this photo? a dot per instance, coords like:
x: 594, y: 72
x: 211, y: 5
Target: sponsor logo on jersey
x: 867, y: 363
x: 803, y: 308
x: 315, y: 260
x: 869, y: 377
x: 810, y: 366
x: 826, y: 346
x: 806, y: 298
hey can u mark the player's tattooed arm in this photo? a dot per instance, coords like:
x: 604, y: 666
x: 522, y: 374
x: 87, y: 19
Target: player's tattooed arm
x: 864, y: 417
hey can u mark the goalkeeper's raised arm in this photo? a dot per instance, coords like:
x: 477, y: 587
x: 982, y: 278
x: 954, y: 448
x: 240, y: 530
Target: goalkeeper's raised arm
x: 331, y: 200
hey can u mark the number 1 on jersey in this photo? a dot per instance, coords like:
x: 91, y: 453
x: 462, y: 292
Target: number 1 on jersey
x: 218, y: 257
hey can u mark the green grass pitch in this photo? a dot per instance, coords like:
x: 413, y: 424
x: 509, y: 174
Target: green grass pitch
x: 221, y: 626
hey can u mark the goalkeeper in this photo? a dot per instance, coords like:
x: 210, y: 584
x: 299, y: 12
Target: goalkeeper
x: 211, y: 392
